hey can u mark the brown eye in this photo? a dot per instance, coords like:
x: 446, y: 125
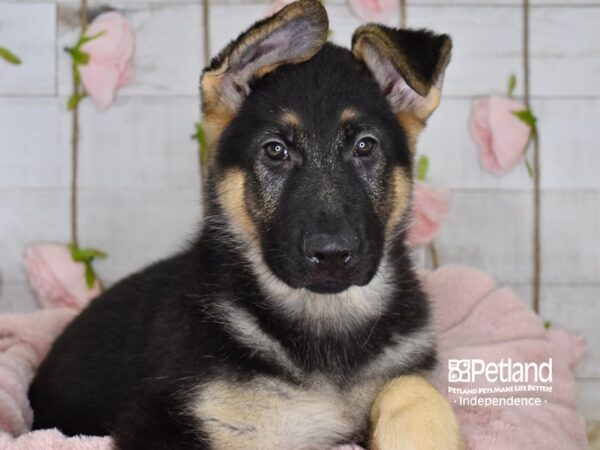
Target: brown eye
x: 275, y: 150
x: 365, y: 146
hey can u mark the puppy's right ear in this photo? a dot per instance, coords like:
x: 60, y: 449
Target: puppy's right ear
x: 294, y: 34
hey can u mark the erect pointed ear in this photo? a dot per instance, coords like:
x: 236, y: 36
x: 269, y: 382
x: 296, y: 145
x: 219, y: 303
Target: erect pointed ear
x: 294, y: 34
x: 408, y: 65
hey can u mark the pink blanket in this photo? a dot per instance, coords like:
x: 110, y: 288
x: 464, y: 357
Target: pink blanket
x: 475, y: 319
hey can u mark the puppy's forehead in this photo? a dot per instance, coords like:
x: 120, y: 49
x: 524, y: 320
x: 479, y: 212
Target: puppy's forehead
x: 292, y: 120
x: 330, y: 89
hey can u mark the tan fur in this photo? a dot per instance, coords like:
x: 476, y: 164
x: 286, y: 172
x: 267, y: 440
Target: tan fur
x: 216, y: 116
x: 292, y: 119
x: 231, y: 197
x: 413, y: 128
x: 400, y: 353
x: 319, y: 312
x: 348, y: 115
x: 428, y: 104
x: 267, y: 414
x: 402, y: 191
x: 410, y: 414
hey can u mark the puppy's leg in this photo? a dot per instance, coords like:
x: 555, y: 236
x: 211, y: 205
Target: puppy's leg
x: 410, y: 414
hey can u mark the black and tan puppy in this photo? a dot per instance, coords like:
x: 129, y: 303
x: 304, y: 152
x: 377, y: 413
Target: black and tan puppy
x: 295, y: 320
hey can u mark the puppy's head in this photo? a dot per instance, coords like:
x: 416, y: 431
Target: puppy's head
x: 312, y: 144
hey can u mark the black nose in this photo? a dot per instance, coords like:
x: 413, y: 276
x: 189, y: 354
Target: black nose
x: 331, y: 251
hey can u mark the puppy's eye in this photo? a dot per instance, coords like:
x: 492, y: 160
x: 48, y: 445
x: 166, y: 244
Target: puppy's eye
x: 365, y: 146
x: 276, y: 151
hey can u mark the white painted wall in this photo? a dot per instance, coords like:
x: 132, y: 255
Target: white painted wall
x: 139, y: 183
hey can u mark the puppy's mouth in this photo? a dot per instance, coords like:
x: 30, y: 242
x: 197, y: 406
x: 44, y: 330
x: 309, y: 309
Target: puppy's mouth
x: 328, y: 287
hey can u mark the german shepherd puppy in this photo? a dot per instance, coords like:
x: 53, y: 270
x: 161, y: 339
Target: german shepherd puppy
x: 295, y: 320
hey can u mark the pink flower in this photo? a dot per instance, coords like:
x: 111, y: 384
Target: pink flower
x: 56, y: 279
x: 276, y: 6
x: 374, y: 10
x: 430, y: 208
x: 500, y: 136
x: 109, y: 66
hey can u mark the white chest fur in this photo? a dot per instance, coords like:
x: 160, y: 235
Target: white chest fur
x: 266, y: 414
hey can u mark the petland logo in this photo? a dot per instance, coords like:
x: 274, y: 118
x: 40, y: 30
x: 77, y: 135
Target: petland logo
x: 505, y: 371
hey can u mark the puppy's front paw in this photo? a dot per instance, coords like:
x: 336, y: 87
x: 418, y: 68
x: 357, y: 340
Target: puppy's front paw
x: 410, y: 414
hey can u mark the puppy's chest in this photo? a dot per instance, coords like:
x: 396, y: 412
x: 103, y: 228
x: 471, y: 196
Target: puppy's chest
x: 268, y: 413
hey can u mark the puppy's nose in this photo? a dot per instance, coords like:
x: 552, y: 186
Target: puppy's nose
x: 331, y: 251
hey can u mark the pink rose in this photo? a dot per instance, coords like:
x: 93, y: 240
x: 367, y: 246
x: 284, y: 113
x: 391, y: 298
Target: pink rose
x: 276, y: 6
x: 109, y: 66
x: 500, y: 136
x: 374, y: 10
x: 430, y: 208
x: 56, y: 279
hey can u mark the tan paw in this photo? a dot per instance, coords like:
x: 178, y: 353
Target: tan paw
x: 410, y: 414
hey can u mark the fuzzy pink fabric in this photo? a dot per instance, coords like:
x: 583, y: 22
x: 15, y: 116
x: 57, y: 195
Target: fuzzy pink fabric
x: 474, y: 317
x: 477, y: 319
x: 24, y: 341
x: 53, y: 440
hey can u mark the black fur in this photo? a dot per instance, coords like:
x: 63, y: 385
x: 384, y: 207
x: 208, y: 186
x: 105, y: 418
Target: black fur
x: 426, y: 53
x: 126, y: 365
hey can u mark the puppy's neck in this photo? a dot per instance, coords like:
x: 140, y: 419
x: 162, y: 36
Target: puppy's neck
x: 322, y: 314
x: 366, y: 330
x: 326, y: 313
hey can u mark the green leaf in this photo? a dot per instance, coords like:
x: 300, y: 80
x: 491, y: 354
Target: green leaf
x: 90, y: 275
x: 528, y: 118
x: 84, y: 39
x: 9, y: 56
x: 512, y: 84
x: 79, y: 57
x: 200, y: 136
x: 86, y: 256
x: 76, y: 75
x: 529, y: 167
x: 422, y: 168
x: 74, y: 100
x: 547, y: 324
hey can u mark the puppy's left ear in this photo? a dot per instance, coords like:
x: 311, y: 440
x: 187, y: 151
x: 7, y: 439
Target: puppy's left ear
x: 409, y: 66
